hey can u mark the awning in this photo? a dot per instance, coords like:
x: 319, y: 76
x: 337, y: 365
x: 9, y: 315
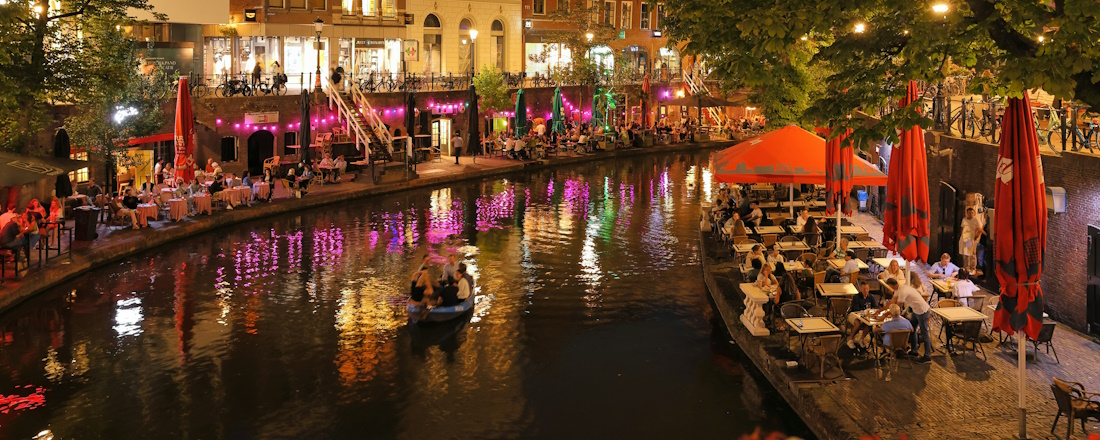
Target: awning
x: 19, y: 169
x: 151, y: 139
x: 787, y: 155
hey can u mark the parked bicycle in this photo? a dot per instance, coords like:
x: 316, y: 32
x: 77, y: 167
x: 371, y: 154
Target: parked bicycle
x: 197, y: 86
x: 233, y: 87
x: 277, y: 86
x: 1053, y: 137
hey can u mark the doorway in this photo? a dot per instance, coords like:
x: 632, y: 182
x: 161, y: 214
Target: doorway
x: 1092, y: 294
x: 261, y: 146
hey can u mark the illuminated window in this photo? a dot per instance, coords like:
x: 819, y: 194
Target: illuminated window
x: 626, y: 15
x: 81, y: 175
x: 348, y: 6
x: 389, y: 8
x: 660, y: 16
x: 370, y: 8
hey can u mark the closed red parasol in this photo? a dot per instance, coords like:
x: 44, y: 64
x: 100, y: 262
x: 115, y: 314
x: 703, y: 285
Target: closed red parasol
x: 185, y: 134
x: 1020, y: 223
x: 838, y: 172
x: 645, y: 101
x: 905, y: 230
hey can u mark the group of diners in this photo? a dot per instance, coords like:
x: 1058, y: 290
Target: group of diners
x: 452, y: 287
x: 734, y: 212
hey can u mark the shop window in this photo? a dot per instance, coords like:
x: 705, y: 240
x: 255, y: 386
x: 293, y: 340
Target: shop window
x: 539, y: 7
x: 644, y: 23
x: 81, y: 175
x: 290, y: 138
x: 229, y: 149
x: 625, y: 8
x: 389, y: 8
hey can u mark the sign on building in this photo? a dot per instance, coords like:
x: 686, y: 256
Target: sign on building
x: 261, y: 118
x: 411, y: 50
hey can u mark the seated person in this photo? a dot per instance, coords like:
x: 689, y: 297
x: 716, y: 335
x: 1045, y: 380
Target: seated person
x: 803, y: 216
x: 422, y: 289
x: 766, y: 279
x: 842, y: 250
x: 943, y: 268
x: 848, y: 272
x: 756, y: 266
x: 786, y: 291
x: 12, y: 237
x: 862, y: 301
x: 894, y: 322
x: 448, y: 294
x: 776, y: 258
x: 755, y: 215
x: 465, y: 283
x: 757, y: 253
x: 893, y: 271
x: 36, y: 209
x: 735, y: 226
x: 811, y: 233
x: 964, y: 288
x: 341, y: 167
x: 326, y: 167
x: 129, y: 207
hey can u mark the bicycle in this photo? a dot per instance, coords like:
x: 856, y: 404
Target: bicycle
x: 198, y: 87
x: 412, y: 83
x: 277, y: 87
x: 233, y: 87
x: 1054, y: 135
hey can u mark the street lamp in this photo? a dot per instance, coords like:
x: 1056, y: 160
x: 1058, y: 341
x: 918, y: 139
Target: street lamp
x: 471, y: 110
x: 940, y: 8
x: 589, y: 36
x: 318, y: 24
x: 860, y: 27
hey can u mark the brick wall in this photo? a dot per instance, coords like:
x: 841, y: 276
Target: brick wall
x: 971, y: 167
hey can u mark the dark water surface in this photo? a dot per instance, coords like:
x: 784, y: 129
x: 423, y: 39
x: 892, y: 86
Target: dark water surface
x: 592, y: 322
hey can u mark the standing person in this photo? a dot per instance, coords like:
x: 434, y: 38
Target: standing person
x: 93, y: 191
x: 157, y: 170
x: 456, y: 144
x: 257, y: 72
x: 968, y: 241
x: 907, y: 296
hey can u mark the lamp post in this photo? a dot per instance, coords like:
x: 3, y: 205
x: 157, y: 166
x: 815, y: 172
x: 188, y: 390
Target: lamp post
x: 471, y: 110
x: 318, y: 24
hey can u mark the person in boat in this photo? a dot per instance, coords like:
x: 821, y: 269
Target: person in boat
x: 422, y: 290
x: 448, y: 294
x: 425, y: 263
x: 465, y: 283
x: 449, y: 269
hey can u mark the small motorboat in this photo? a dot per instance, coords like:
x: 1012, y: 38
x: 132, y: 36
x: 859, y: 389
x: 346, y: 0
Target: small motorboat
x: 439, y: 314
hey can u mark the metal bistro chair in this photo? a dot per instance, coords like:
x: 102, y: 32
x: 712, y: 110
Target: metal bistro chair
x: 789, y: 239
x: 808, y: 259
x: 970, y: 332
x: 768, y: 240
x: 1046, y: 334
x: 944, y: 303
x: 1075, y: 403
x: 792, y: 309
x: 838, y: 310
x: 825, y: 349
x: 899, y: 342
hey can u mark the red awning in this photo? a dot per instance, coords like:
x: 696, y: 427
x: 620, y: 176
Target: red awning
x: 787, y: 155
x: 154, y: 138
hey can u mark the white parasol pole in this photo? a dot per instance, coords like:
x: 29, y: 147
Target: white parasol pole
x: 1021, y: 351
x: 838, y: 227
x: 792, y: 200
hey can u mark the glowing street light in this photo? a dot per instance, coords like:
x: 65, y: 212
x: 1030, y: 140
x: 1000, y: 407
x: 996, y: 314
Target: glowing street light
x: 860, y: 27
x: 940, y: 8
x: 1042, y: 39
x: 589, y: 36
x: 804, y: 38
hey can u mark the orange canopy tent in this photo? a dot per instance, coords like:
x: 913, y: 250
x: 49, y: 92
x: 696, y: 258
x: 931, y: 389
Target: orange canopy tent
x: 787, y: 155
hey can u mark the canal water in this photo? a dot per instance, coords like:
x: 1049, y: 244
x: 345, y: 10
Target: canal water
x: 592, y: 321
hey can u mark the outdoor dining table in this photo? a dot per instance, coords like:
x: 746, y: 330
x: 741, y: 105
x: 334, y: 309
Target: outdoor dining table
x: 767, y: 205
x: 769, y: 230
x: 883, y: 263
x: 245, y: 194
x: 202, y: 203
x: 811, y: 326
x: 944, y: 287
x: 261, y: 190
x: 852, y: 230
x: 742, y: 248
x: 836, y: 289
x: 166, y: 194
x: 838, y: 263
x: 146, y: 211
x: 792, y: 246
x: 790, y: 266
x: 797, y: 203
x: 762, y: 187
x: 177, y: 209
x: 872, y: 318
x: 954, y: 315
x: 865, y: 244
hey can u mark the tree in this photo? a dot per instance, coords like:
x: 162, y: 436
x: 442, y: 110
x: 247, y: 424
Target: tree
x: 119, y: 102
x: 493, y: 94
x: 866, y: 51
x: 47, y: 57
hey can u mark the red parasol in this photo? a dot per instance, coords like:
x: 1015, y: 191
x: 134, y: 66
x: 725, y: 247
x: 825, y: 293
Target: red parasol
x: 905, y: 230
x: 838, y: 172
x: 645, y: 101
x: 185, y: 134
x: 787, y: 155
x: 1020, y: 223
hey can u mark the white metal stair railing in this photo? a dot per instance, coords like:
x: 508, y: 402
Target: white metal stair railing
x: 351, y: 121
x: 376, y: 126
x: 697, y: 84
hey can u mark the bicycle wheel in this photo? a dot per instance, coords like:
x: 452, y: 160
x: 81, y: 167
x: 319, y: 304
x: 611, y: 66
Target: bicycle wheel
x: 200, y: 90
x: 222, y: 91
x: 1054, y: 140
x: 246, y: 90
x: 971, y: 127
x: 279, y: 89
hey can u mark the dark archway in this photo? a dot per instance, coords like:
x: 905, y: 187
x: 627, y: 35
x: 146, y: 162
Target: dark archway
x: 261, y: 145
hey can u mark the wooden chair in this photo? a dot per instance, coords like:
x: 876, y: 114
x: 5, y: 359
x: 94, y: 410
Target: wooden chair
x: 1075, y: 403
x: 272, y: 163
x: 863, y: 237
x: 768, y: 240
x: 989, y: 308
x: 1046, y: 334
x: 742, y: 239
x: 899, y: 342
x: 861, y: 254
x: 824, y: 349
x: 789, y: 239
x: 808, y: 259
x: 838, y: 310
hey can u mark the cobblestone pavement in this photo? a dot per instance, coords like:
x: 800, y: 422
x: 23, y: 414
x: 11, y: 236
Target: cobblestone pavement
x: 953, y: 397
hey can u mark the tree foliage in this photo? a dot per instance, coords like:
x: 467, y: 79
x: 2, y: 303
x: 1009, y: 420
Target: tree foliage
x: 54, y: 56
x: 493, y: 94
x: 1024, y: 44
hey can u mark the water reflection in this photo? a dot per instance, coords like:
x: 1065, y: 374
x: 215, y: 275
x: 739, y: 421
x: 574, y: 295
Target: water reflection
x: 588, y: 296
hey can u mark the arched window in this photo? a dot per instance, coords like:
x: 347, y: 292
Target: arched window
x: 465, y: 50
x: 431, y: 21
x: 433, y: 45
x: 496, y: 45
